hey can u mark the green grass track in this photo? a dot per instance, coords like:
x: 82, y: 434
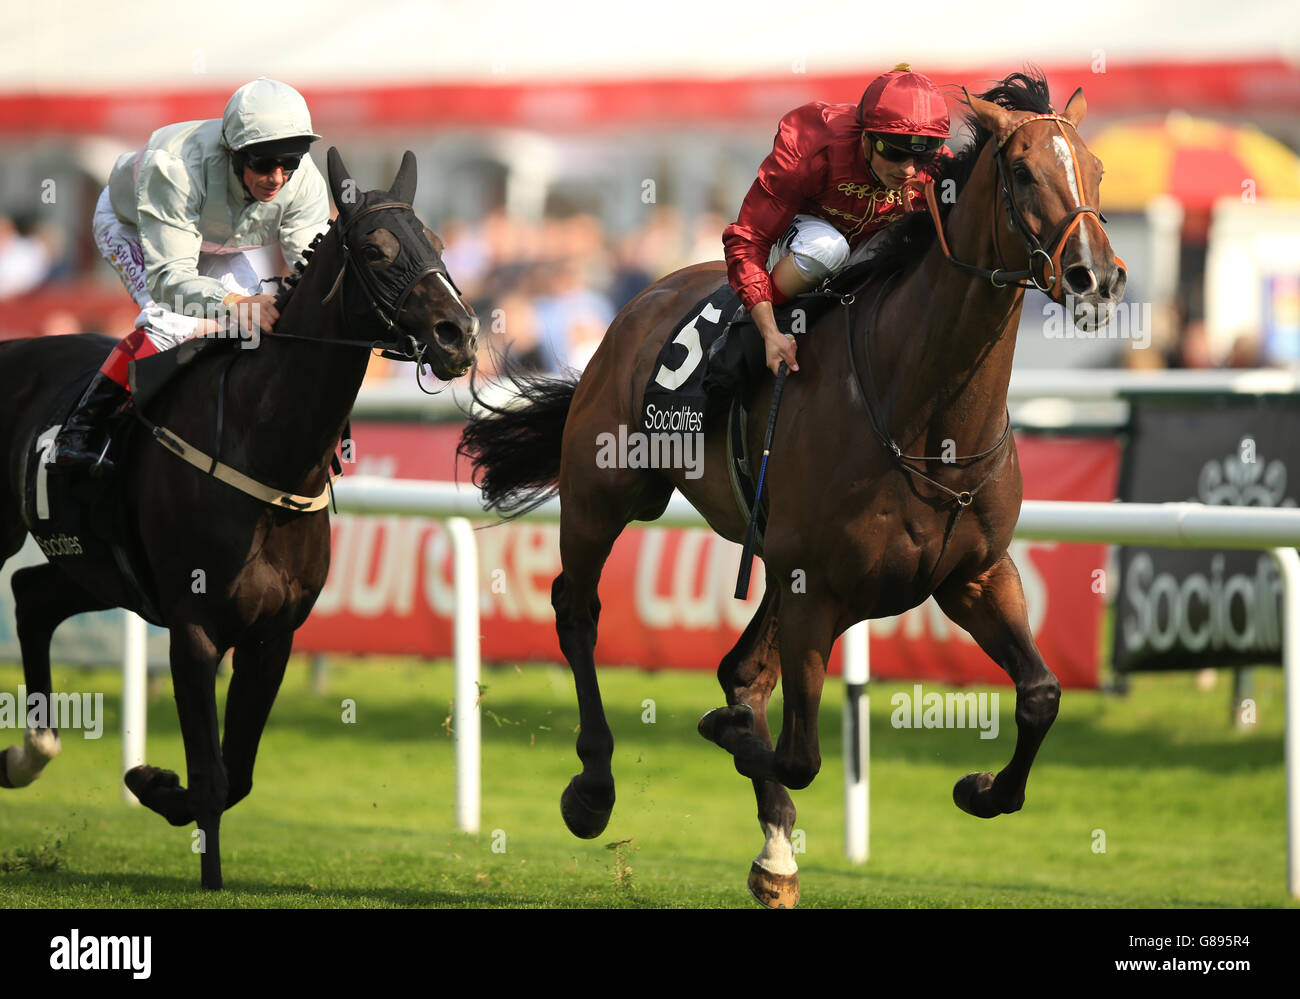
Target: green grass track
x: 362, y: 814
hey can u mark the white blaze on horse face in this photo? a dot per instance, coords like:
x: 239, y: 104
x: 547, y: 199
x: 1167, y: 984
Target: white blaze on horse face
x: 778, y: 854
x: 1065, y: 154
x: 452, y: 292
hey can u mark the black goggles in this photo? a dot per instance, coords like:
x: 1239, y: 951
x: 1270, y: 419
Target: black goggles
x: 902, y: 147
x: 266, y: 164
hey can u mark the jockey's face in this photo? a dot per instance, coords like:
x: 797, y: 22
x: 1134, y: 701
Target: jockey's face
x: 892, y: 174
x: 265, y: 186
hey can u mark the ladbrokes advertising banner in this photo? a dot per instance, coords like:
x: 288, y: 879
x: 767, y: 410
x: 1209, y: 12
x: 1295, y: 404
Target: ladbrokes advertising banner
x: 666, y: 593
x: 1186, y: 609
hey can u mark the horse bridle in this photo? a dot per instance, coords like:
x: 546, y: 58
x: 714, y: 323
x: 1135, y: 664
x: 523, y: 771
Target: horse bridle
x: 1027, y: 278
x: 404, y: 346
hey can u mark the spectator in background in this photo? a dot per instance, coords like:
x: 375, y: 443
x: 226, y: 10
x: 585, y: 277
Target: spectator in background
x: 26, y: 259
x: 1193, y: 347
x: 1246, y: 352
x: 572, y: 317
x: 514, y: 330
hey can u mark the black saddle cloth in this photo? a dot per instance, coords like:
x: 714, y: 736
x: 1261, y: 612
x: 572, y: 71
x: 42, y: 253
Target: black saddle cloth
x: 76, y: 518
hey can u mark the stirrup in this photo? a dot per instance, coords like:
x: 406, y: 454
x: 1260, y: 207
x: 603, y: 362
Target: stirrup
x: 97, y: 464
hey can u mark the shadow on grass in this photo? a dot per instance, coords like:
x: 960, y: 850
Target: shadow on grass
x: 80, y: 890
x: 1075, y: 742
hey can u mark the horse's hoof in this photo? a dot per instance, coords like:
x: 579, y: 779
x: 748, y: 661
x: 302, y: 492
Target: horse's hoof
x: 971, y: 794
x: 776, y: 891
x: 140, y: 780
x: 719, y: 720
x: 20, y: 765
x: 159, y: 790
x: 583, y: 821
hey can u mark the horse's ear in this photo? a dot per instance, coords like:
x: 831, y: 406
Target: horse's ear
x: 403, y: 188
x: 342, y: 186
x: 993, y: 117
x: 1076, y: 108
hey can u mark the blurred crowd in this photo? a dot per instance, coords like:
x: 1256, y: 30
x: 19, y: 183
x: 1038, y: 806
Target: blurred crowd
x: 30, y: 254
x: 1178, y: 341
x: 545, y: 291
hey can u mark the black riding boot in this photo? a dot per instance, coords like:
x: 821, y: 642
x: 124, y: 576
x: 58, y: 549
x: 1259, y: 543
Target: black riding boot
x: 736, y: 358
x: 82, y: 441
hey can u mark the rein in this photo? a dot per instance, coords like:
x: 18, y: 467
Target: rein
x: 871, y: 402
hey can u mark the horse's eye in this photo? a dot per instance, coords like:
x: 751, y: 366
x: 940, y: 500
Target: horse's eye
x: 373, y: 253
x: 1021, y: 174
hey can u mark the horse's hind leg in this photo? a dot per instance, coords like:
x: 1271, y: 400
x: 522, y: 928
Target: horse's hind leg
x: 44, y: 597
x: 590, y: 522
x: 748, y: 673
x: 258, y: 672
x: 992, y: 609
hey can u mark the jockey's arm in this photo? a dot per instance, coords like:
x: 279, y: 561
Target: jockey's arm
x: 777, y: 346
x: 784, y: 179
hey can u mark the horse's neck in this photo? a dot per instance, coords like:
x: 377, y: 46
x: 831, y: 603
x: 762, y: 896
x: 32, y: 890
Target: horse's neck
x: 302, y: 392
x: 947, y: 338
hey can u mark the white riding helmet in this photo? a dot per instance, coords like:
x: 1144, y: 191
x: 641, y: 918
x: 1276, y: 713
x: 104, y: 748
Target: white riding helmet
x: 270, y: 115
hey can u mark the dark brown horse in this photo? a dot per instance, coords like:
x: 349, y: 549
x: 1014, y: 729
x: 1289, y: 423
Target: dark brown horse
x: 867, y: 531
x: 376, y: 278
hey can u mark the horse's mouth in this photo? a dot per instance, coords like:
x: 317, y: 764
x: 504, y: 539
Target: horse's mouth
x: 447, y: 372
x: 1091, y: 316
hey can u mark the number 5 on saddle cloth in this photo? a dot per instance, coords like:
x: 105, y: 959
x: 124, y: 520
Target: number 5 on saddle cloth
x: 714, y: 355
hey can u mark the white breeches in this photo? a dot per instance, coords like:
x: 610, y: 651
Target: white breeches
x: 818, y: 248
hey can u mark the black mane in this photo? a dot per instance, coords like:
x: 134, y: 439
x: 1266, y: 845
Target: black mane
x: 905, y: 242
x: 289, y: 283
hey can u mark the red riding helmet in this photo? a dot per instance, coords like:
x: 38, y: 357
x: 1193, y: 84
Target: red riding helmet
x: 904, y: 103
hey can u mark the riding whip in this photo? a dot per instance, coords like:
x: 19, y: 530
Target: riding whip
x: 747, y: 555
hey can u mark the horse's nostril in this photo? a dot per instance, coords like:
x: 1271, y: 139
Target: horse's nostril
x: 1081, y: 280
x: 448, y: 334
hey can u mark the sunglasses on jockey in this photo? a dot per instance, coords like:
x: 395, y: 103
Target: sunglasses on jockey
x: 266, y: 164
x: 896, y: 148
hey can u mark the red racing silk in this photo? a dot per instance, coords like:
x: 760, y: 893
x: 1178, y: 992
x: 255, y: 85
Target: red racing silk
x: 816, y: 167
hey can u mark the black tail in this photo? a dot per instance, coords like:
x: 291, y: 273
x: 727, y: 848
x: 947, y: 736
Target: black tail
x: 515, y: 447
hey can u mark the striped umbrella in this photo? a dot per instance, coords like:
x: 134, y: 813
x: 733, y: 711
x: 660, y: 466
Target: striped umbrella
x: 1192, y: 160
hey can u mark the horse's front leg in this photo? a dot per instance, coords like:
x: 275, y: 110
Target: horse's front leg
x: 256, y: 678
x: 992, y: 608
x: 194, y: 660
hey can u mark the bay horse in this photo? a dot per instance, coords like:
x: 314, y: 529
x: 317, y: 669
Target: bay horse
x: 375, y: 279
x: 858, y: 512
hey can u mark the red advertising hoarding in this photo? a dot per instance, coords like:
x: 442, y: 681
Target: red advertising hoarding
x: 666, y: 592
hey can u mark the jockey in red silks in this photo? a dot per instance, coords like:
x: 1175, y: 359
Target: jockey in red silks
x: 836, y: 176
x: 175, y: 221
